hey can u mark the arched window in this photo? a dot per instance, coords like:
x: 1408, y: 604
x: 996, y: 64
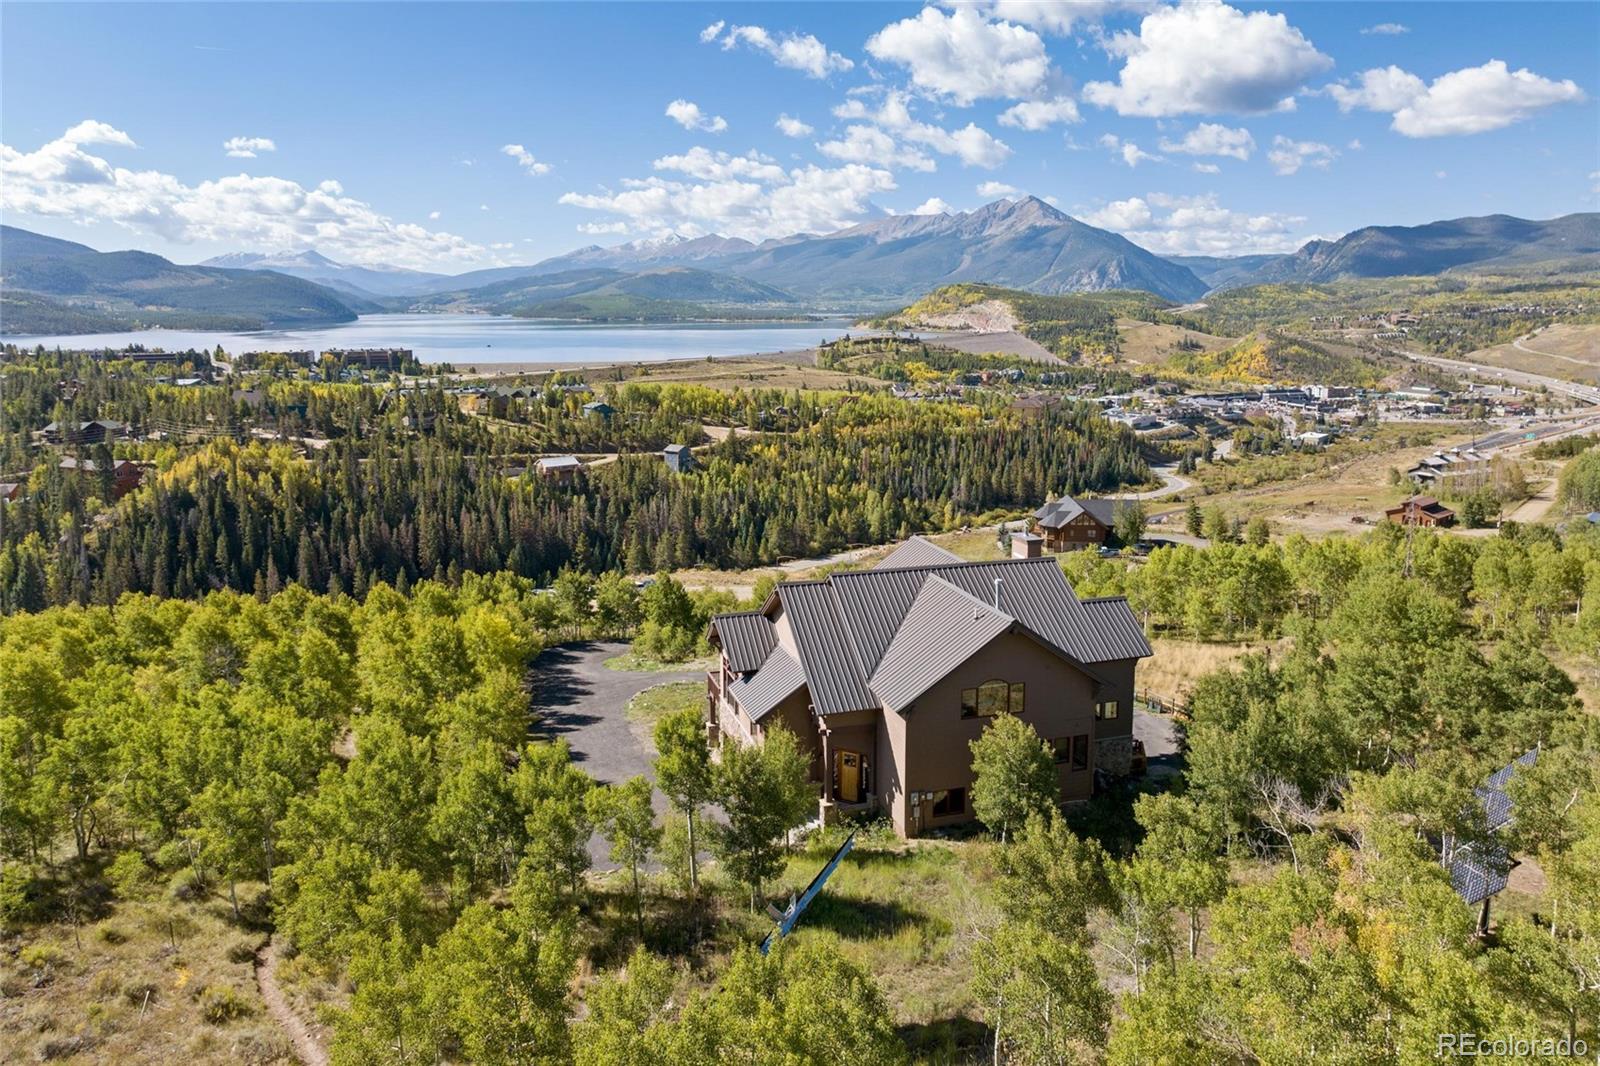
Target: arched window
x: 993, y: 697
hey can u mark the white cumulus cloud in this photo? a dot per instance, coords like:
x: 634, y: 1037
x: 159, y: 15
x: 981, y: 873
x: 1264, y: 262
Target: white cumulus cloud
x: 1205, y: 168
x: 794, y: 51
x: 868, y: 144
x: 525, y: 160
x: 807, y: 199
x: 971, y: 144
x: 690, y: 117
x: 1208, y: 58
x: 931, y: 206
x: 792, y: 127
x: 247, y: 147
x: 1209, y: 138
x: 700, y: 162
x: 964, y: 56
x: 1386, y: 29
x: 1471, y: 100
x: 1129, y: 152
x: 1197, y: 225
x: 61, y: 180
x: 1052, y: 16
x: 989, y: 190
x: 1288, y: 156
x: 1040, y: 114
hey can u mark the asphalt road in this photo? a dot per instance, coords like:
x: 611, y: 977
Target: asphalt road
x: 1586, y: 393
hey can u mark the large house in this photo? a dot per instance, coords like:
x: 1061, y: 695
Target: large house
x: 1421, y: 511
x: 1068, y: 523
x: 887, y: 675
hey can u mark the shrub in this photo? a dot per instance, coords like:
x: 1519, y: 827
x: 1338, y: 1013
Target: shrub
x: 140, y: 993
x: 19, y: 897
x: 220, y: 1004
x: 42, y: 957
x: 188, y: 884
x: 241, y: 951
x: 171, y: 855
x: 111, y: 934
x: 130, y: 874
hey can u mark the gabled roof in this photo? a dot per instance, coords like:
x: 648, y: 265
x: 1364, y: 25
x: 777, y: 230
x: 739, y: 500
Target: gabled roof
x: 777, y: 679
x: 1113, y: 632
x: 834, y: 674
x: 944, y: 628
x: 918, y: 551
x: 1059, y: 513
x: 559, y: 462
x: 898, y: 625
x: 746, y: 638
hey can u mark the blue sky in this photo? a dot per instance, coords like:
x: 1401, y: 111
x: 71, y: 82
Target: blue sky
x: 454, y: 136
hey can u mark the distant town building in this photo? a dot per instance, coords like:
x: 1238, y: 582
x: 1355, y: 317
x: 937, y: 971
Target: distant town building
x: 1069, y: 524
x: 97, y: 431
x: 1447, y: 466
x: 599, y: 408
x: 125, y: 476
x: 679, y: 458
x: 10, y: 490
x: 1421, y: 511
x: 371, y: 358
x: 559, y: 468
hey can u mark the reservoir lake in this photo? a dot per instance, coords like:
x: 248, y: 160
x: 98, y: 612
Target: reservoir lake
x: 475, y: 340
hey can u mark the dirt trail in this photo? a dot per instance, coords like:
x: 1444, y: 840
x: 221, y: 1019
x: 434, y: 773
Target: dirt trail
x: 307, y: 1047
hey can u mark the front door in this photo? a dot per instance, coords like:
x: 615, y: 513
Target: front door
x: 847, y: 770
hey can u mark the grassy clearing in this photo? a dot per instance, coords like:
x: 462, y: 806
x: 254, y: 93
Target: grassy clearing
x: 1150, y: 343
x: 152, y: 980
x: 1566, y: 351
x: 655, y: 703
x: 630, y: 662
x: 1178, y: 664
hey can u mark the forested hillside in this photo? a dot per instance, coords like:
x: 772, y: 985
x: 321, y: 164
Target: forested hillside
x: 353, y: 776
x: 380, y: 502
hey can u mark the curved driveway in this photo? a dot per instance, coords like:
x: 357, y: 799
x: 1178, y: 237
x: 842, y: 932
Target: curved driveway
x: 578, y: 698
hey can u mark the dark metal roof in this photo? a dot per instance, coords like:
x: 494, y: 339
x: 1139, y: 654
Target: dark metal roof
x: 845, y: 627
x: 1033, y: 591
x: 1113, y: 631
x: 916, y: 552
x: 777, y: 679
x: 746, y: 638
x: 834, y: 675
x: 1059, y: 513
x: 944, y: 628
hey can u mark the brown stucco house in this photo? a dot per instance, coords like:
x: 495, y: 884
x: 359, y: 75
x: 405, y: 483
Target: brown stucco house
x: 887, y: 675
x: 1421, y: 511
x: 1068, y: 524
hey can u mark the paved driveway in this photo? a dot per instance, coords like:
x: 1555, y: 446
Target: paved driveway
x: 578, y: 698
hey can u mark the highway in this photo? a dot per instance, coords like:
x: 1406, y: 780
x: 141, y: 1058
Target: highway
x: 1586, y: 393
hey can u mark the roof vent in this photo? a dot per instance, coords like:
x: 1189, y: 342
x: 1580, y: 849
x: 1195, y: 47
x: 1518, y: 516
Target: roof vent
x: 997, y: 583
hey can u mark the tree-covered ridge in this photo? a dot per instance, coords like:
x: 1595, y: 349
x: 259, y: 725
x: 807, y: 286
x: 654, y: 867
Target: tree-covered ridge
x: 1454, y: 315
x: 1264, y: 358
x: 1068, y: 325
x: 385, y: 505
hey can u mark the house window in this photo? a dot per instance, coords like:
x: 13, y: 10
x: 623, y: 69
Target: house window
x: 1106, y: 710
x: 1062, y: 746
x: 1080, y: 751
x: 992, y: 698
x: 949, y: 801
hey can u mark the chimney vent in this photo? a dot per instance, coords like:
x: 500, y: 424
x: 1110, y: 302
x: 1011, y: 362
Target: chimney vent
x: 997, y: 583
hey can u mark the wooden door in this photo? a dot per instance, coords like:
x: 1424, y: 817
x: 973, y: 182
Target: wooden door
x: 848, y: 766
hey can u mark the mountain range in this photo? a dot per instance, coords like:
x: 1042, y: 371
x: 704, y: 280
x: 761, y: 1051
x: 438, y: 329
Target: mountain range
x: 1020, y: 244
x: 50, y: 285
